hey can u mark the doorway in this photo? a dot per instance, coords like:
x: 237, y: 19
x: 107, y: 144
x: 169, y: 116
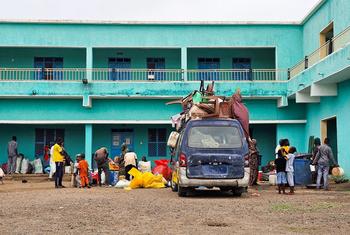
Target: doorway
x: 119, y: 137
x: 329, y: 130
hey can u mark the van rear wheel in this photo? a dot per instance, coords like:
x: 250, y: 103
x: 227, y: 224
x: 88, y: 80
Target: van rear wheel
x: 174, y: 186
x: 181, y: 191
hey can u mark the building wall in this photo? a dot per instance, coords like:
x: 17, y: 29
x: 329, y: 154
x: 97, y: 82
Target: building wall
x: 328, y: 107
x: 265, y: 134
x: 138, y: 56
x: 331, y: 10
x: 288, y: 52
x: 261, y: 58
x: 74, y: 138
x: 11, y: 57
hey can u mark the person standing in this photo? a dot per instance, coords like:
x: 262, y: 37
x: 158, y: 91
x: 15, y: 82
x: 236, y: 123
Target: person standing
x: 83, y: 168
x: 280, y: 163
x: 290, y: 169
x: 130, y: 160
x: 58, y: 159
x: 253, y: 163
x: 102, y: 160
x: 12, y: 154
x: 324, y: 159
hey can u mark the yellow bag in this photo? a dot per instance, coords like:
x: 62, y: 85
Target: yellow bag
x: 145, y: 180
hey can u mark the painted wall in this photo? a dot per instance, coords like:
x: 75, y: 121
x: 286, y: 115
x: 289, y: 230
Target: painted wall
x: 328, y: 107
x: 102, y: 136
x: 74, y: 139
x: 11, y: 57
x: 138, y: 56
x: 332, y: 10
x: 266, y: 141
x: 295, y: 133
x: 286, y: 38
x: 261, y: 58
x: 126, y: 109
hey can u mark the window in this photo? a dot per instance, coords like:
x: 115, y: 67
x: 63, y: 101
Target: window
x: 156, y: 64
x: 46, y: 137
x: 157, y: 142
x: 243, y: 66
x: 49, y: 68
x: 214, y: 137
x: 326, y: 43
x: 119, y: 68
x: 208, y: 64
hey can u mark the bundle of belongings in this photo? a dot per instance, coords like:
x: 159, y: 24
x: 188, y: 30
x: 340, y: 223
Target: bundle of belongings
x: 146, y: 180
x: 204, y: 104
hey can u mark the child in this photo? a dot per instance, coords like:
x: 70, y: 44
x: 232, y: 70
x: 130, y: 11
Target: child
x: 290, y: 169
x: 144, y: 165
x: 2, y: 174
x: 280, y: 163
x: 83, y: 167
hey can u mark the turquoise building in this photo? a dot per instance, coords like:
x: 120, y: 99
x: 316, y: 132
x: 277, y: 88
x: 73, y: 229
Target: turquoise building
x: 102, y: 84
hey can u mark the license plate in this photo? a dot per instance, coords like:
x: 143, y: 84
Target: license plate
x: 214, y: 170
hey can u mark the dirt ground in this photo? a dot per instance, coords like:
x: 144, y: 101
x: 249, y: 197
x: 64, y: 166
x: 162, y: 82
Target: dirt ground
x: 38, y: 208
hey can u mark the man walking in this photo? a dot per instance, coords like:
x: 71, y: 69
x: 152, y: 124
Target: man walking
x: 324, y: 159
x: 12, y: 154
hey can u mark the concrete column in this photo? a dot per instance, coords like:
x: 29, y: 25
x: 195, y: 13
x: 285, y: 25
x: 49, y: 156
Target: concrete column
x: 184, y: 61
x: 89, y: 63
x: 88, y: 143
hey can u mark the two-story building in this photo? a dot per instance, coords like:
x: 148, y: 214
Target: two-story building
x: 104, y: 83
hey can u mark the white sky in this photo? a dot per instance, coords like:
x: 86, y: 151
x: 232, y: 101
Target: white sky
x: 157, y: 10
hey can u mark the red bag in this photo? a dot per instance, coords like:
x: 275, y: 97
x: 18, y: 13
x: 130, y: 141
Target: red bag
x: 162, y: 168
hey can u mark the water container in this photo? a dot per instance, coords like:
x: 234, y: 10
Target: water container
x: 302, y: 172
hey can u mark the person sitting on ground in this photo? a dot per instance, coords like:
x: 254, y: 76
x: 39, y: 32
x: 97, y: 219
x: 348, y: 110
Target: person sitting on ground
x: 144, y: 165
x: 83, y: 168
x: 130, y: 160
x: 280, y: 163
x: 102, y: 160
x: 324, y: 159
x: 290, y: 169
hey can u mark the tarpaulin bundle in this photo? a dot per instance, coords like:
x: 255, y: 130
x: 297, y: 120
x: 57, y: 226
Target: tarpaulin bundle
x: 145, y: 180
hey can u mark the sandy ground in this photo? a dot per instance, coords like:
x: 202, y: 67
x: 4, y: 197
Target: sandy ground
x: 38, y: 208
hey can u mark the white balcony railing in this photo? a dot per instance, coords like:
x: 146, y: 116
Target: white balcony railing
x: 135, y: 75
x: 338, y: 42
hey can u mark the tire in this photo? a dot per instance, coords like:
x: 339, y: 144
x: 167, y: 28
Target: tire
x: 174, y: 186
x: 181, y: 191
x: 237, y: 192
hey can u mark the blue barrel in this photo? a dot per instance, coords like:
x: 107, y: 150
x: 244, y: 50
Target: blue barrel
x: 302, y: 172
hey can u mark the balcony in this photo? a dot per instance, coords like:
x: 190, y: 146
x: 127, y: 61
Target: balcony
x: 141, y: 75
x: 331, y: 46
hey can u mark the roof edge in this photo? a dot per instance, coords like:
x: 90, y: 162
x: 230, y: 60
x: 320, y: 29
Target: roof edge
x: 313, y: 11
x: 24, y: 21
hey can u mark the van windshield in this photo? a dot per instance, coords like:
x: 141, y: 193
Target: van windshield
x: 214, y: 137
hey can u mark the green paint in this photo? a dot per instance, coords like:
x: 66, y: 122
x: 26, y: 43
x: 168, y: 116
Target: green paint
x: 11, y: 57
x: 261, y: 58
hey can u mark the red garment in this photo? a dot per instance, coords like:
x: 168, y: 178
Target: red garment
x: 46, y: 153
x: 84, y: 181
x: 83, y: 167
x: 240, y: 112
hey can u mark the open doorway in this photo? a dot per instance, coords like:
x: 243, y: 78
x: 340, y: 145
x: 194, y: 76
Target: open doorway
x: 329, y: 130
x: 326, y: 43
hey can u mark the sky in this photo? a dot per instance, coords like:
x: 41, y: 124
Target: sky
x: 157, y: 10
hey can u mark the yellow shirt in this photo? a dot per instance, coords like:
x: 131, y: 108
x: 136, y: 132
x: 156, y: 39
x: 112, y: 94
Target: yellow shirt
x: 57, y: 156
